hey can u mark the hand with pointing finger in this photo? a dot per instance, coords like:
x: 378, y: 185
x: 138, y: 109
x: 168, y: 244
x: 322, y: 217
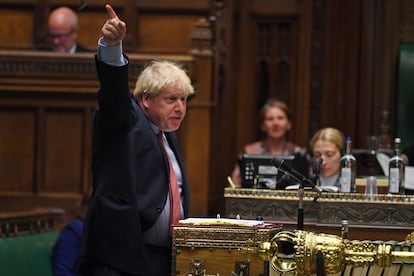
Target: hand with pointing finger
x: 114, y: 29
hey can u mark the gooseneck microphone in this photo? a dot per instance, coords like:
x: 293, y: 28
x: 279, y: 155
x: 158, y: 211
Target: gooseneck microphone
x: 316, y: 169
x: 303, y: 181
x: 281, y: 165
x: 82, y: 5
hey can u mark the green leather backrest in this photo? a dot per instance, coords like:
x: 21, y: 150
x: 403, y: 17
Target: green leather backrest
x: 27, y: 255
x: 405, y: 101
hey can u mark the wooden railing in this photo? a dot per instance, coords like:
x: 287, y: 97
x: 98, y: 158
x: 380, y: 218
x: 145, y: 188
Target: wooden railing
x: 33, y: 221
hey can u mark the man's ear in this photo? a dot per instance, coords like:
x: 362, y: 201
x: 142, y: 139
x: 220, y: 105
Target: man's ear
x: 145, y: 99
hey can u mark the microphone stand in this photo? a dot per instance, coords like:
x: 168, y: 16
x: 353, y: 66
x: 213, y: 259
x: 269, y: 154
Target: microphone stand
x: 301, y: 190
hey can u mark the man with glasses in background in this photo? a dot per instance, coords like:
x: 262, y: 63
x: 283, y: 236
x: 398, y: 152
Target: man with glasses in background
x: 63, y: 31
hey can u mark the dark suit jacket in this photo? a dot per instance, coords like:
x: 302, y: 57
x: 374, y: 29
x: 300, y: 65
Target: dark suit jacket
x: 79, y: 49
x: 130, y: 177
x: 82, y: 49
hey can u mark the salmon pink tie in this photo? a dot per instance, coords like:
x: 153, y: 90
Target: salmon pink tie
x: 175, y: 200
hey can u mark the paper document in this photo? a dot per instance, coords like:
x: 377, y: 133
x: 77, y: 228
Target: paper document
x: 409, y: 177
x: 383, y: 160
x: 221, y: 221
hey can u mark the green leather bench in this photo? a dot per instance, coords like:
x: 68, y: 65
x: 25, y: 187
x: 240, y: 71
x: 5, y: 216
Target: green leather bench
x: 27, y: 255
x: 26, y: 241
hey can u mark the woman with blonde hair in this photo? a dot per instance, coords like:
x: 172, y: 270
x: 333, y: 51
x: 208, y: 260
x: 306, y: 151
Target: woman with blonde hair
x: 327, y: 147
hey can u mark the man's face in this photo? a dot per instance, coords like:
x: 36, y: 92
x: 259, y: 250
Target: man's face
x: 61, y: 37
x: 167, y: 109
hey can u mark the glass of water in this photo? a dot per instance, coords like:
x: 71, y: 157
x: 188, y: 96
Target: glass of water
x: 371, y: 188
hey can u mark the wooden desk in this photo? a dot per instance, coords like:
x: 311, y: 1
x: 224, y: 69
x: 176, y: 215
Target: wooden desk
x: 383, y: 218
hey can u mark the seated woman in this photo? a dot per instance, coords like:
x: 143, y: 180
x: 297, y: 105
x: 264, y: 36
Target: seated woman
x: 327, y: 147
x: 275, y: 123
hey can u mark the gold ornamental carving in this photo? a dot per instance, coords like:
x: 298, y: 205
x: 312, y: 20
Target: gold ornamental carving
x: 335, y: 252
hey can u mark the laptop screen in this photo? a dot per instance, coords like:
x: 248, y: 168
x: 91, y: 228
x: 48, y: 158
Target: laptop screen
x: 257, y: 171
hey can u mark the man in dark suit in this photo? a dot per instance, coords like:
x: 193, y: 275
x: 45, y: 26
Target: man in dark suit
x: 63, y: 31
x: 128, y: 224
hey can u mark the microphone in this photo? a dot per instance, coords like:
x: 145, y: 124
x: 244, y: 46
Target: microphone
x: 320, y: 164
x: 316, y: 165
x: 283, y: 167
x: 82, y: 5
x: 316, y: 169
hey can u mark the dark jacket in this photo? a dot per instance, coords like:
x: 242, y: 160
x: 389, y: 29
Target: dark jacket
x: 79, y: 49
x: 82, y: 49
x: 130, y: 177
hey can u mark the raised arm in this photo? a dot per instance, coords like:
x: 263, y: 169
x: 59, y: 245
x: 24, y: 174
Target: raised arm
x: 114, y: 95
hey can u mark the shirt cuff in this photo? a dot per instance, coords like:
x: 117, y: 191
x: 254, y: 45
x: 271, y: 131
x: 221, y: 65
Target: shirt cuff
x: 111, y: 55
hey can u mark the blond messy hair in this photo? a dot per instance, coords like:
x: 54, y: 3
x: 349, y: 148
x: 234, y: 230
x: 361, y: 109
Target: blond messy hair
x: 159, y: 74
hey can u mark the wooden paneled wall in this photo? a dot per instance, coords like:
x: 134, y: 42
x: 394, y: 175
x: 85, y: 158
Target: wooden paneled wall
x: 162, y: 27
x: 46, y: 105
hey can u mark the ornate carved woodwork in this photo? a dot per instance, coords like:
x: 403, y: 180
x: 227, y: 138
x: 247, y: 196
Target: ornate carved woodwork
x: 385, y: 217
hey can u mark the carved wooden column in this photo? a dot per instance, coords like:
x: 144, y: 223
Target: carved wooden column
x: 40, y: 24
x: 194, y: 134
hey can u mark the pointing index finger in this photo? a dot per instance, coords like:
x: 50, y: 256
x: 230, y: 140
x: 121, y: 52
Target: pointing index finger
x: 110, y: 11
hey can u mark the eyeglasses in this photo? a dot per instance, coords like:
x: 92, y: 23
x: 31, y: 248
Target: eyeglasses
x: 52, y: 36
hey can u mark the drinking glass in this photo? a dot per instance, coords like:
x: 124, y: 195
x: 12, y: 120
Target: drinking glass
x: 371, y: 188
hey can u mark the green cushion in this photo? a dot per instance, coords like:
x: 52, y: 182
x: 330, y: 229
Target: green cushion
x: 27, y: 255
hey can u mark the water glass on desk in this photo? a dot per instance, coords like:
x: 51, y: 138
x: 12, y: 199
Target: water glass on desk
x: 371, y: 188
